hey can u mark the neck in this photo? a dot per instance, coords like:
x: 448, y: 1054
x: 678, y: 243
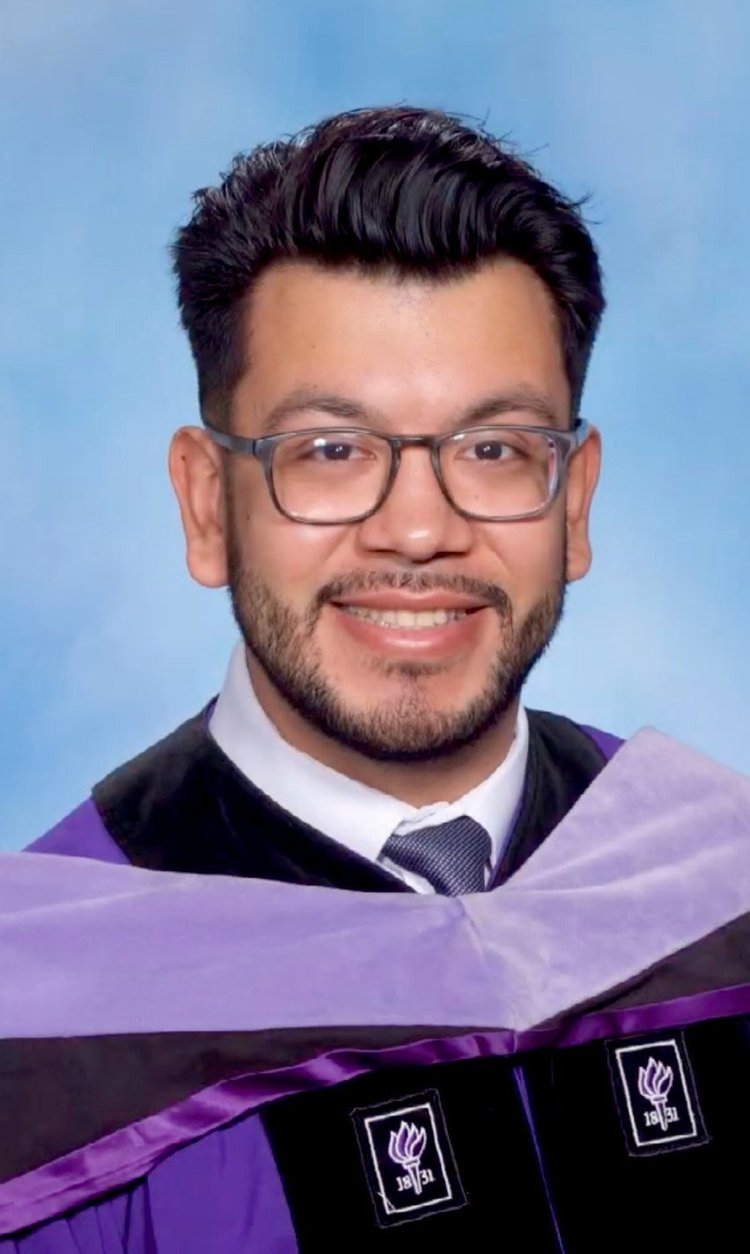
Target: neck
x: 416, y: 783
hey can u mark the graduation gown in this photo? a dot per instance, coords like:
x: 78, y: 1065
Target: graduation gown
x: 229, y: 1062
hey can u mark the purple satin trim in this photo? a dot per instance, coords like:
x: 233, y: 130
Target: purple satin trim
x: 219, y: 1195
x: 81, y: 834
x: 131, y: 1152
x: 605, y: 741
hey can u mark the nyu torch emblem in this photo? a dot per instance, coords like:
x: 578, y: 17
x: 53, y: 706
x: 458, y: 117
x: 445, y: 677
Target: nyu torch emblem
x: 408, y: 1158
x: 654, y: 1082
x: 656, y: 1095
x: 405, y: 1148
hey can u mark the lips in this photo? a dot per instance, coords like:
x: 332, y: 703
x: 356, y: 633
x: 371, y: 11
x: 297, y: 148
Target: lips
x: 430, y: 629
x: 410, y: 610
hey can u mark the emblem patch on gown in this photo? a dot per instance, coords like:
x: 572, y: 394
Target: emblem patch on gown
x: 408, y: 1159
x: 656, y: 1096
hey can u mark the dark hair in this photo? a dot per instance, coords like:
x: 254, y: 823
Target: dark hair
x: 407, y: 190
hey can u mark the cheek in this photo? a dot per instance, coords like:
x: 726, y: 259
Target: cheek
x: 530, y: 558
x: 292, y: 559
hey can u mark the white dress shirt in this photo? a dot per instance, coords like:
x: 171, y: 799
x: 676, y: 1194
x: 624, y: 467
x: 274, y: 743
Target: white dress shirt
x: 355, y: 815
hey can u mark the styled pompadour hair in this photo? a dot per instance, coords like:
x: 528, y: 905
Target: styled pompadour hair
x: 407, y: 191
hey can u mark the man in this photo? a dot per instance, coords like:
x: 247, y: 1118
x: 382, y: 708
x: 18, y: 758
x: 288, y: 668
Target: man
x: 391, y: 318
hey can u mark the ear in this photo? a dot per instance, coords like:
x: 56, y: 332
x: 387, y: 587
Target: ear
x: 197, y: 474
x: 583, y: 475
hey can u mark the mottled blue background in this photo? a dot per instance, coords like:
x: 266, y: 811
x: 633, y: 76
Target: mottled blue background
x: 113, y: 111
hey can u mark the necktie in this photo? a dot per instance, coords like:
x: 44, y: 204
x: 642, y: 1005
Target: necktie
x: 451, y: 856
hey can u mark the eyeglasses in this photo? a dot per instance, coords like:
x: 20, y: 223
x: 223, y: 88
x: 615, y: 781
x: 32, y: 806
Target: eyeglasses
x: 332, y: 475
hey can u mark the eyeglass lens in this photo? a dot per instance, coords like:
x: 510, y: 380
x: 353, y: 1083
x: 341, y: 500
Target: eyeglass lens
x: 330, y: 477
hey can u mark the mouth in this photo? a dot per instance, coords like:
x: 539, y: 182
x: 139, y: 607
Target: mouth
x: 431, y: 632
x: 407, y: 620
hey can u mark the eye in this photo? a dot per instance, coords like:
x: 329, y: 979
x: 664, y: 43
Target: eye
x: 327, y: 449
x: 334, y: 450
x: 490, y: 450
x: 330, y: 449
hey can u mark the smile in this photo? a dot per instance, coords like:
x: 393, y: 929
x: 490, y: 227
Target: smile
x: 409, y: 619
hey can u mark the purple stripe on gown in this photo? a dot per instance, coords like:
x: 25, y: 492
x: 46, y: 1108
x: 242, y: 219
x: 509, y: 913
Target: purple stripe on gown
x: 80, y: 834
x: 220, y: 1195
x: 605, y: 741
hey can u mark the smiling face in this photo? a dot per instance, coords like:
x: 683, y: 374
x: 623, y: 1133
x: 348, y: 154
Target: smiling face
x: 406, y: 635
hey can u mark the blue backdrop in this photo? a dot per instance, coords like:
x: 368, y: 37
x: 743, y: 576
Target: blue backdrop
x: 113, y: 111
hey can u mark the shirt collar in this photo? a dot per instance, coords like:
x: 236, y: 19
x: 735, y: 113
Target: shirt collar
x: 355, y: 815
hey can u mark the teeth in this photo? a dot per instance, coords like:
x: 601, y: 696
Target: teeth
x: 405, y: 618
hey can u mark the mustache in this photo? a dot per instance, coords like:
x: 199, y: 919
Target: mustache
x: 348, y: 586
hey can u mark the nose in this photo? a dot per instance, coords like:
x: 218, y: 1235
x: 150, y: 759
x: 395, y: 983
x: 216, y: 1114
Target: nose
x: 415, y: 522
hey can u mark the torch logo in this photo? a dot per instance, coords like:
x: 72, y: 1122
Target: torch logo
x: 654, y: 1082
x: 656, y: 1096
x: 406, y: 1147
x: 408, y: 1158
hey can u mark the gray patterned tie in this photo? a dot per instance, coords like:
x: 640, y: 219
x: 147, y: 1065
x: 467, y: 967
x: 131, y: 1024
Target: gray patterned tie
x: 451, y: 856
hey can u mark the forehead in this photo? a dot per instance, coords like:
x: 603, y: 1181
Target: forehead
x: 400, y: 345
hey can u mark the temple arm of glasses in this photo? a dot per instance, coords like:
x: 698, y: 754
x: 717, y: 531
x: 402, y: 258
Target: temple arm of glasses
x: 234, y: 443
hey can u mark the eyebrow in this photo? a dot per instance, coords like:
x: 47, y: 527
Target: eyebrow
x: 303, y: 400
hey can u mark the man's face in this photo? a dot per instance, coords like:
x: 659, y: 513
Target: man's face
x: 316, y: 604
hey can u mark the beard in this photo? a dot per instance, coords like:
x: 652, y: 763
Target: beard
x: 406, y: 728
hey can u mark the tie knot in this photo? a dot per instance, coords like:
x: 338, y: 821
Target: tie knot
x: 451, y: 856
